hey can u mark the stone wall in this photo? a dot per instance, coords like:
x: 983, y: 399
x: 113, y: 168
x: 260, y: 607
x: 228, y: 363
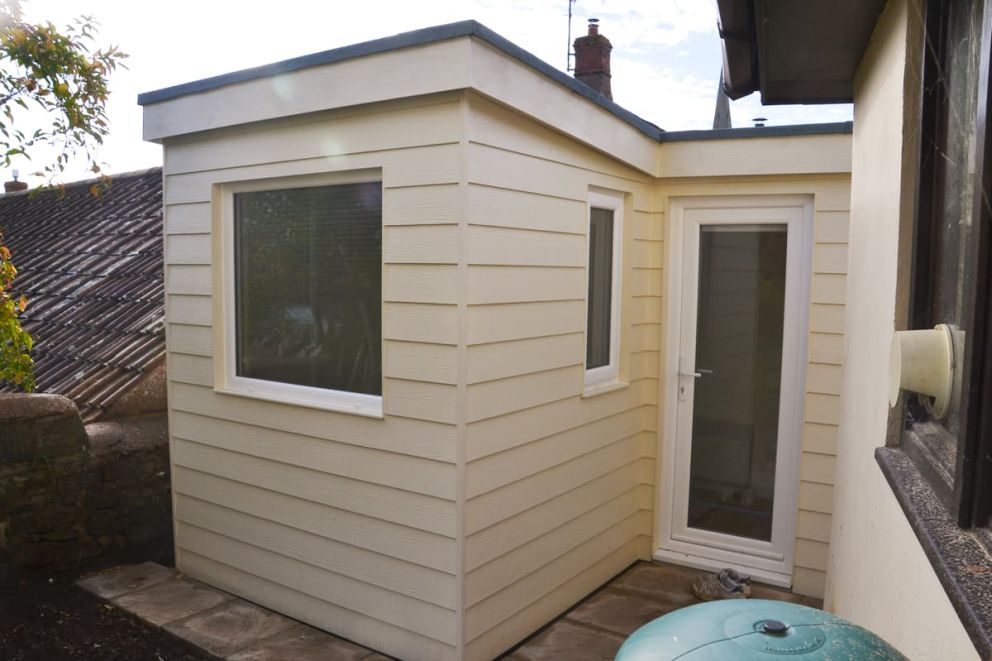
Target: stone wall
x: 74, y: 496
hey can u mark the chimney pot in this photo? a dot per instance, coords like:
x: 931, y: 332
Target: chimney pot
x: 592, y: 60
x: 14, y: 186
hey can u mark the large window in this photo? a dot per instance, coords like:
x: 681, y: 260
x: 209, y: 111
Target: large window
x: 603, y: 303
x: 949, y: 285
x: 305, y: 282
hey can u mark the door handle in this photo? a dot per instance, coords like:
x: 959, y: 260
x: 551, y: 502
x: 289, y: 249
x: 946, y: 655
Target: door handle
x: 694, y: 374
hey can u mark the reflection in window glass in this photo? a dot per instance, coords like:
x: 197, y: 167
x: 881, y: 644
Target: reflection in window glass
x: 308, y: 286
x: 954, y: 193
x: 735, y: 415
x: 598, y: 323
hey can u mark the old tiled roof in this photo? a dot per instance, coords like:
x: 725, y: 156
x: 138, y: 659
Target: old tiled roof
x: 91, y: 268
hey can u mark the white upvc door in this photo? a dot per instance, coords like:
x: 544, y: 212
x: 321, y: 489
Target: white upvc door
x: 734, y: 377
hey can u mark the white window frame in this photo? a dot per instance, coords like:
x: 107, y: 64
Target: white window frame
x: 226, y: 379
x: 602, y: 378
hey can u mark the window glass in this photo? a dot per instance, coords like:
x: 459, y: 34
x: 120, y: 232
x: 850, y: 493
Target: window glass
x: 954, y: 161
x: 739, y: 339
x: 950, y: 222
x: 308, y: 286
x: 599, y: 318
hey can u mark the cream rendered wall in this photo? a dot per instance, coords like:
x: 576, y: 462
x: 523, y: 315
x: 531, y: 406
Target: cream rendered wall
x: 825, y: 356
x: 558, y: 487
x: 878, y: 575
x: 347, y: 522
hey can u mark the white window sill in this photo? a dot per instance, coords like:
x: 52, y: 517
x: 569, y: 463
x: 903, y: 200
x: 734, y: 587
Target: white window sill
x: 369, y: 406
x: 603, y: 387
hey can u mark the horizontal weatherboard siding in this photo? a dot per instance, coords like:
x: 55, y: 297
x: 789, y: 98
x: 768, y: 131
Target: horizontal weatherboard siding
x: 557, y: 485
x: 496, y: 489
x: 423, y: 512
x: 423, y: 548
x: 347, y: 522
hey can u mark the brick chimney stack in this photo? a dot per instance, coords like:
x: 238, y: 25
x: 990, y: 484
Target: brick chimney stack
x: 592, y: 60
x: 15, y: 185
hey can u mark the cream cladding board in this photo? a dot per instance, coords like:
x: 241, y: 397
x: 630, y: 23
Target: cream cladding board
x: 344, y: 521
x: 558, y: 486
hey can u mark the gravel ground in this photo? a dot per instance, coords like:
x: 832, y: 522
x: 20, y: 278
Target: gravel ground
x: 50, y: 619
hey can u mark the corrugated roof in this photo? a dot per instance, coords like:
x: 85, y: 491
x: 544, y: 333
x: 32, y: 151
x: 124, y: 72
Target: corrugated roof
x: 91, y: 268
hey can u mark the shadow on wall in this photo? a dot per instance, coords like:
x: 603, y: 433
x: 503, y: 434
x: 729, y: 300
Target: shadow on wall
x: 75, y: 496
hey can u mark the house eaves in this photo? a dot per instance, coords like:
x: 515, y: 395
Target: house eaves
x: 794, y: 52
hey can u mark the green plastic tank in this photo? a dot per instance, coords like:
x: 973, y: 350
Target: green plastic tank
x: 751, y: 629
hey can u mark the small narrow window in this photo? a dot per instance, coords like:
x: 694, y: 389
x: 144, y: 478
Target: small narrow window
x: 603, y: 303
x: 307, y: 313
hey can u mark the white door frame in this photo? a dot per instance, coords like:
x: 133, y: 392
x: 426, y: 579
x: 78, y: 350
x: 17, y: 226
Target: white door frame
x: 771, y: 562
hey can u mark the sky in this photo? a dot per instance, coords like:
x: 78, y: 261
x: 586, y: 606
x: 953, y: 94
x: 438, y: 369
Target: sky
x: 666, y: 56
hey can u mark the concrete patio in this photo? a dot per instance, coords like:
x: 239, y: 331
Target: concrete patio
x: 226, y: 627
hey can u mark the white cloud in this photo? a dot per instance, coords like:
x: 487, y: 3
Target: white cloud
x: 670, y: 98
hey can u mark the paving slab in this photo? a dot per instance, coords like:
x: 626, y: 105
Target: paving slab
x: 304, y: 643
x: 125, y: 578
x: 621, y: 612
x: 565, y: 641
x: 170, y: 600
x: 658, y: 580
x: 229, y: 627
x: 600, y: 623
x: 761, y: 591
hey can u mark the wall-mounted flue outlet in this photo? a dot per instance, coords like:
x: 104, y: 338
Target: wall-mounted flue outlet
x: 922, y: 362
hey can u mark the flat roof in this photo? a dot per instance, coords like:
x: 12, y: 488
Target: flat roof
x: 475, y: 29
x: 784, y: 130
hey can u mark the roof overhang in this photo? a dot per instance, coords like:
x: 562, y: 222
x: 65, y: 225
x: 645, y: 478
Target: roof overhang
x: 795, y: 52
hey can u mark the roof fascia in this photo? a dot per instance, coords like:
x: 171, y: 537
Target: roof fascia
x: 768, y: 155
x: 284, y: 77
x: 525, y: 90
x: 441, y: 67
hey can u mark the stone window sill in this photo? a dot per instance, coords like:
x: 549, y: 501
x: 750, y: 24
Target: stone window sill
x: 961, y: 558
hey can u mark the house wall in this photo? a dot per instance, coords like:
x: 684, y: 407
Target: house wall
x: 825, y: 355
x: 558, y: 487
x: 493, y: 495
x: 343, y: 521
x: 878, y: 575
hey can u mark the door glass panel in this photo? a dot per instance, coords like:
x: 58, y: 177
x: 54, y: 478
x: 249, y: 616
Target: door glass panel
x: 739, y: 325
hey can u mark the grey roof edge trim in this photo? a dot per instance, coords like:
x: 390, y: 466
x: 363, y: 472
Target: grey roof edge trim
x: 644, y: 126
x: 396, y: 42
x: 832, y: 128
